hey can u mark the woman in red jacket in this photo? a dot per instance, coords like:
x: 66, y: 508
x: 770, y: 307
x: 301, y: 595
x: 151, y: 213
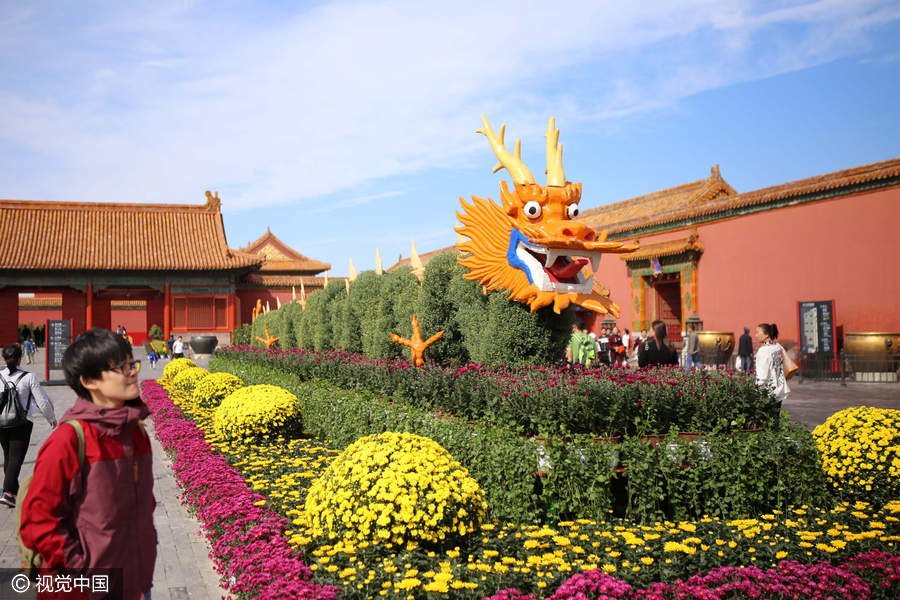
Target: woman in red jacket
x: 99, y: 515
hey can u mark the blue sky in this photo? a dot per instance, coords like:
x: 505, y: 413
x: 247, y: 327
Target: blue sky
x: 346, y: 126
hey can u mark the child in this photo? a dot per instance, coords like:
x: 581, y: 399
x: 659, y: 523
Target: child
x: 153, y: 357
x: 99, y: 515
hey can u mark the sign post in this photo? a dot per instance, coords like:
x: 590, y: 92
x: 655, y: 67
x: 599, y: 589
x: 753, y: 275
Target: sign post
x: 816, y: 338
x: 58, y: 338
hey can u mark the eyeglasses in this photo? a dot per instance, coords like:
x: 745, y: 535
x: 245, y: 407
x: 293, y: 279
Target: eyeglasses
x: 126, y: 368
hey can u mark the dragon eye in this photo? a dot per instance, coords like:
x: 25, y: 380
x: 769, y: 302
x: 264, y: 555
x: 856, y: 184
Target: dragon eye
x: 532, y: 209
x: 572, y: 210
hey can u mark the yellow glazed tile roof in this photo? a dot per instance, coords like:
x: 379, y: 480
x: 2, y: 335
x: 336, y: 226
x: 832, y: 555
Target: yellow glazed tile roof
x: 665, y: 248
x: 116, y: 236
x: 281, y: 257
x: 707, y: 197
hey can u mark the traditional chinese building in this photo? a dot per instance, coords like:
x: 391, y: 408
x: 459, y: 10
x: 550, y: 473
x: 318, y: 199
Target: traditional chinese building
x: 740, y: 259
x: 284, y: 275
x: 120, y: 263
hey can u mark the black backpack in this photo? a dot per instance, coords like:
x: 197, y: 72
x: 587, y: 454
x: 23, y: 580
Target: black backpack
x: 11, y: 412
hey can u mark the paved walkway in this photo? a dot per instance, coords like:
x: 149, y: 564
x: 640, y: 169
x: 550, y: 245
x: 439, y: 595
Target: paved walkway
x: 183, y: 567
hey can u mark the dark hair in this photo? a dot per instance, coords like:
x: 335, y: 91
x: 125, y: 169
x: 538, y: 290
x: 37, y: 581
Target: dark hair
x: 660, y: 334
x: 770, y: 329
x: 746, y: 330
x: 12, y: 354
x: 90, y: 354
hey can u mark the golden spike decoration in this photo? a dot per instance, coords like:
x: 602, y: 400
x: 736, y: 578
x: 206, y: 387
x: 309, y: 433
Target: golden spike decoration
x: 347, y: 285
x: 269, y: 341
x: 257, y: 310
x: 415, y: 261
x: 352, y: 274
x: 302, y: 295
x: 325, y: 284
x: 278, y: 300
x: 293, y: 294
x: 268, y: 308
x: 513, y: 164
x: 379, y: 269
x: 416, y: 345
x: 555, y: 175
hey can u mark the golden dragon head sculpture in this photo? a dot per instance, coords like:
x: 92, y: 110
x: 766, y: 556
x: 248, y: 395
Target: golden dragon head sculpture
x: 532, y: 245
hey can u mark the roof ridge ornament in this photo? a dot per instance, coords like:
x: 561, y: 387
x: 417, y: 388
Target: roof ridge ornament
x: 213, y: 202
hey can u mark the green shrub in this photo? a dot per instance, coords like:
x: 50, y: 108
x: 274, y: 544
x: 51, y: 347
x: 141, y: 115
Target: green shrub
x: 155, y: 332
x: 436, y: 311
x: 721, y: 474
x: 242, y: 336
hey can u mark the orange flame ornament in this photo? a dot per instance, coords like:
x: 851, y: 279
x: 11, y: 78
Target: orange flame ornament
x: 416, y: 345
x: 532, y: 245
x: 269, y: 341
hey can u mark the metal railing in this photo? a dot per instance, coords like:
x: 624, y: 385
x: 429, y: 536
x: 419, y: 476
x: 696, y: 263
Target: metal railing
x: 866, y: 368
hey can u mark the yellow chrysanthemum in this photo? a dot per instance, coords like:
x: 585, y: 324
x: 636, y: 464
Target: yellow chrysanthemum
x: 214, y: 388
x: 395, y: 487
x: 257, y: 411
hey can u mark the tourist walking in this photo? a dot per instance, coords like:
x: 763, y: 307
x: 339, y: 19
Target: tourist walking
x: 582, y: 348
x: 97, y: 513
x: 170, y: 343
x: 692, y: 357
x: 24, y: 388
x: 28, y: 347
x: 656, y: 349
x: 769, y: 363
x: 178, y: 348
x: 745, y: 351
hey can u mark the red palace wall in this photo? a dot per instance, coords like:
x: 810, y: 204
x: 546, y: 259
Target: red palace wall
x: 756, y: 268
x: 38, y: 316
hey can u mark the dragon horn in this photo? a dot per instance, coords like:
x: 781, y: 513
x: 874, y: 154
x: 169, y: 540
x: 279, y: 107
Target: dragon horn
x: 555, y: 175
x: 513, y: 164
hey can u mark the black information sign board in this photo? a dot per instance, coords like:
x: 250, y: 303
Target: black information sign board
x: 59, y: 336
x: 817, y: 327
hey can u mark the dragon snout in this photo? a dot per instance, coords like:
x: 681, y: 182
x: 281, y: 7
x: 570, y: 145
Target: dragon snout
x: 582, y: 234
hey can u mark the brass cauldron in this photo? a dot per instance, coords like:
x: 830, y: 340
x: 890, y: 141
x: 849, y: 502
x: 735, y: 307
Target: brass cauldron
x: 715, y: 347
x: 872, y: 351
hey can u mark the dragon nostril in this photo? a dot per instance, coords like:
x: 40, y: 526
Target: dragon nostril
x: 568, y: 233
x: 589, y: 236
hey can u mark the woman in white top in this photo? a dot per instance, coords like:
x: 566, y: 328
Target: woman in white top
x: 14, y: 440
x: 769, y: 366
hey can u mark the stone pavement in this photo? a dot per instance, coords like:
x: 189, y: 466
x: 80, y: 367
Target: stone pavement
x: 812, y: 402
x: 183, y: 567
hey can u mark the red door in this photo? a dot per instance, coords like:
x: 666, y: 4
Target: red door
x: 668, y: 307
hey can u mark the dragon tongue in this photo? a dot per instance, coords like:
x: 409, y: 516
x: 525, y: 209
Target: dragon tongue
x: 562, y: 269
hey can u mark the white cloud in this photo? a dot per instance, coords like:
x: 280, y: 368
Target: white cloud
x: 349, y: 92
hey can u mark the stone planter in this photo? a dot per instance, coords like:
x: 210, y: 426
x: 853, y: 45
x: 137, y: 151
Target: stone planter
x: 204, y: 344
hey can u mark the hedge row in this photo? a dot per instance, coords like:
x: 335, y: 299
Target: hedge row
x: 477, y: 327
x: 604, y: 402
x: 725, y: 475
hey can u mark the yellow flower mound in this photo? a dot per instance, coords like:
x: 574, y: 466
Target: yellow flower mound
x: 395, y: 487
x: 214, y: 388
x: 257, y: 411
x: 860, y: 450
x: 183, y: 383
x: 174, y: 368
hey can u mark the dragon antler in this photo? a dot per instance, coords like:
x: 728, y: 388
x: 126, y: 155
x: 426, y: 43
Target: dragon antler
x: 513, y: 164
x: 555, y: 175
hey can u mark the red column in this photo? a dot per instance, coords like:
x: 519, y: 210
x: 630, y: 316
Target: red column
x: 9, y: 308
x: 167, y: 311
x: 230, y: 311
x: 89, y: 306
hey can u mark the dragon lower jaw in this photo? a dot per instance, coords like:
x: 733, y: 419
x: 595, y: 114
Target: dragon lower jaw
x: 556, y: 270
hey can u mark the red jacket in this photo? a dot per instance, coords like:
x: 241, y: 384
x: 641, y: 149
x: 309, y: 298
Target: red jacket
x: 99, y: 516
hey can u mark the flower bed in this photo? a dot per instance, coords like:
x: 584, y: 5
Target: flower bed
x: 729, y: 474
x: 250, y: 552
x: 603, y: 402
x: 861, y: 453
x: 536, y: 559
